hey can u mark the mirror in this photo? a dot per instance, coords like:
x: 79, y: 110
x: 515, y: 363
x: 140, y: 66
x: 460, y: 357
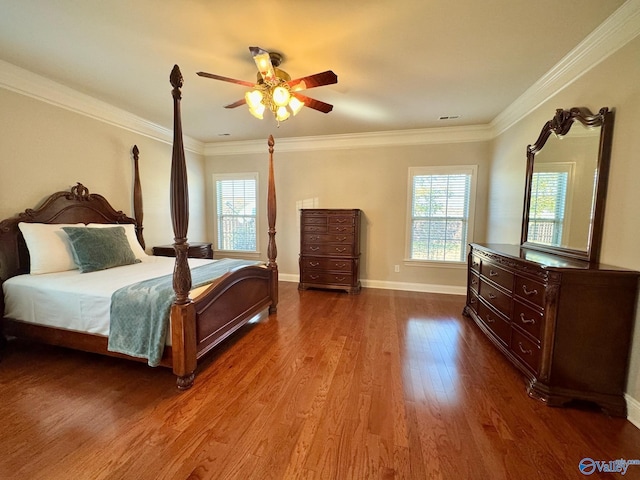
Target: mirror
x: 565, y: 190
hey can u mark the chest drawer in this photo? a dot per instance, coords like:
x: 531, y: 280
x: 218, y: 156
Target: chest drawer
x: 474, y: 282
x: 342, y: 220
x: 496, y: 298
x: 530, y: 290
x: 529, y: 319
x: 328, y: 238
x: 314, y: 219
x: 497, y: 274
x: 327, y: 249
x: 525, y: 350
x: 328, y: 278
x: 474, y: 263
x: 326, y: 264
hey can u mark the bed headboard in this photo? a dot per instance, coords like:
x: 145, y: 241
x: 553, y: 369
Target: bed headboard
x: 74, y: 206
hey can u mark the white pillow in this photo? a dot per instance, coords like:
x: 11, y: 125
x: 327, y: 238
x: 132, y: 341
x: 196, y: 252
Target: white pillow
x: 130, y: 231
x: 49, y: 247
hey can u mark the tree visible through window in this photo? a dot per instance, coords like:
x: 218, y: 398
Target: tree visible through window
x: 441, y: 200
x: 236, y: 202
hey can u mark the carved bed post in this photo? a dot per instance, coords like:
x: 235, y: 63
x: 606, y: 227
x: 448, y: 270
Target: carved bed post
x: 138, y: 212
x: 272, y: 250
x: 182, y: 311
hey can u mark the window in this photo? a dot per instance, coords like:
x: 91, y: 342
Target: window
x: 549, y: 194
x: 236, y: 198
x: 441, y: 207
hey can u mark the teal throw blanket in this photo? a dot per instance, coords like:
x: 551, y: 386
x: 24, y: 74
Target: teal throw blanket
x: 140, y: 312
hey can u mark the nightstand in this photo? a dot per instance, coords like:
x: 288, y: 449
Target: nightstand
x: 196, y: 250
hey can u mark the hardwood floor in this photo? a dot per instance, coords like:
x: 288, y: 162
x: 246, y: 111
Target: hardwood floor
x: 384, y: 384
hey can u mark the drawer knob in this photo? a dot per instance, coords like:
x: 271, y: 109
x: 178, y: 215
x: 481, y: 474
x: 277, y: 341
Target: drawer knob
x: 493, y: 273
x: 340, y: 279
x: 527, y: 320
x: 492, y: 296
x: 341, y: 249
x: 474, y: 282
x: 340, y: 220
x: 341, y: 265
x: 524, y: 350
x: 341, y: 239
x: 341, y: 229
x: 314, y: 264
x: 314, y: 277
x: 490, y: 319
x: 529, y: 292
x: 313, y: 249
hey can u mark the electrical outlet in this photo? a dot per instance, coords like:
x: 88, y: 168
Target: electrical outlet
x: 396, y: 268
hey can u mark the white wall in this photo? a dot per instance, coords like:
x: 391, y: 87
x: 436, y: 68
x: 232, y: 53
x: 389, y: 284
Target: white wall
x: 44, y: 149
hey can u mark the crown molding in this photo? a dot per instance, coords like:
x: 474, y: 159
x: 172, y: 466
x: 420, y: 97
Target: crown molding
x: 614, y: 33
x: 27, y: 83
x: 473, y: 133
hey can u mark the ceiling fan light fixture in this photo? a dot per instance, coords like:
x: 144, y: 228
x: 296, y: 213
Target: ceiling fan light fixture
x: 295, y: 105
x: 254, y: 98
x: 281, y: 96
x: 282, y: 114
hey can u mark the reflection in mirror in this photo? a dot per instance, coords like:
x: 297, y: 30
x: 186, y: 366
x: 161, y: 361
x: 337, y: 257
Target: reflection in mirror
x: 562, y: 189
x: 567, y: 171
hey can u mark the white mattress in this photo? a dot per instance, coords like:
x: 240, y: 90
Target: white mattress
x: 78, y: 301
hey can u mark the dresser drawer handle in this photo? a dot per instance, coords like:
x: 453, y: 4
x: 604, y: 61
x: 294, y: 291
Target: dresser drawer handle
x: 314, y: 264
x: 314, y: 249
x: 492, y: 296
x: 341, y: 239
x: 474, y: 282
x: 341, y: 265
x: 523, y: 350
x: 341, y: 250
x: 473, y: 300
x: 493, y: 273
x: 529, y: 292
x: 340, y: 279
x: 341, y: 229
x: 489, y: 319
x: 314, y: 277
x: 527, y: 320
x: 475, y: 264
x: 340, y: 220
x: 314, y: 237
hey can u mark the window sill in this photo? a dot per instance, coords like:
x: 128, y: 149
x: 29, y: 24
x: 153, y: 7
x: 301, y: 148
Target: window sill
x: 434, y: 264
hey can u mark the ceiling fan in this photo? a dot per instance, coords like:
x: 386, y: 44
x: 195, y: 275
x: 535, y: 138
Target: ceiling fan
x: 274, y: 89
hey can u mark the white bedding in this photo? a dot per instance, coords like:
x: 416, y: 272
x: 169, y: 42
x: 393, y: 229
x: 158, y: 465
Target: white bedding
x: 78, y: 301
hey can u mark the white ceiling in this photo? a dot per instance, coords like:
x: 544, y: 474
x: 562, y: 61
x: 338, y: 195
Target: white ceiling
x: 401, y: 64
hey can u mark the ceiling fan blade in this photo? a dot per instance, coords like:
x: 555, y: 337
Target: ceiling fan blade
x: 313, y: 103
x: 236, y: 104
x: 263, y: 62
x: 316, y: 80
x: 225, y: 79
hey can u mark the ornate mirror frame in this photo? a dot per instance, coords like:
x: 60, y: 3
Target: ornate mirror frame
x: 560, y: 125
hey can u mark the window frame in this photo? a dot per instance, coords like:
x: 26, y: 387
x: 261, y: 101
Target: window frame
x: 217, y: 177
x: 472, y: 171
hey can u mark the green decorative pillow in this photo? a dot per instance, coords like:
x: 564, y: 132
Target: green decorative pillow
x: 100, y: 248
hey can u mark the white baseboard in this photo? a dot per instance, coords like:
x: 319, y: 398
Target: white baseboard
x: 633, y: 410
x: 410, y: 287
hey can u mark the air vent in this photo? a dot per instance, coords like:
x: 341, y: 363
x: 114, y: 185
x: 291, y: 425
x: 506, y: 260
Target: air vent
x: 448, y: 117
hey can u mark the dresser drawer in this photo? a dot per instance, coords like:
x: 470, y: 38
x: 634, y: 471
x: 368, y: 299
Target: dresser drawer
x: 314, y: 219
x: 525, y: 350
x: 528, y: 319
x: 327, y: 249
x: 327, y: 264
x: 497, y: 274
x: 473, y: 301
x: 328, y: 238
x: 530, y: 290
x: 494, y: 321
x: 474, y: 263
x: 326, y: 278
x: 474, y: 282
x: 496, y: 298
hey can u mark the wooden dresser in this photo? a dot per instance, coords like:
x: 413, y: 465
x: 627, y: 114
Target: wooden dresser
x: 566, y: 324
x: 330, y: 249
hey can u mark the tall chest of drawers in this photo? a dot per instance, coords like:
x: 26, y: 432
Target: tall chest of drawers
x: 330, y: 249
x: 565, y: 324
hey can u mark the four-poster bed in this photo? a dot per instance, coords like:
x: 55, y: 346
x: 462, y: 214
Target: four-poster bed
x: 198, y: 319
